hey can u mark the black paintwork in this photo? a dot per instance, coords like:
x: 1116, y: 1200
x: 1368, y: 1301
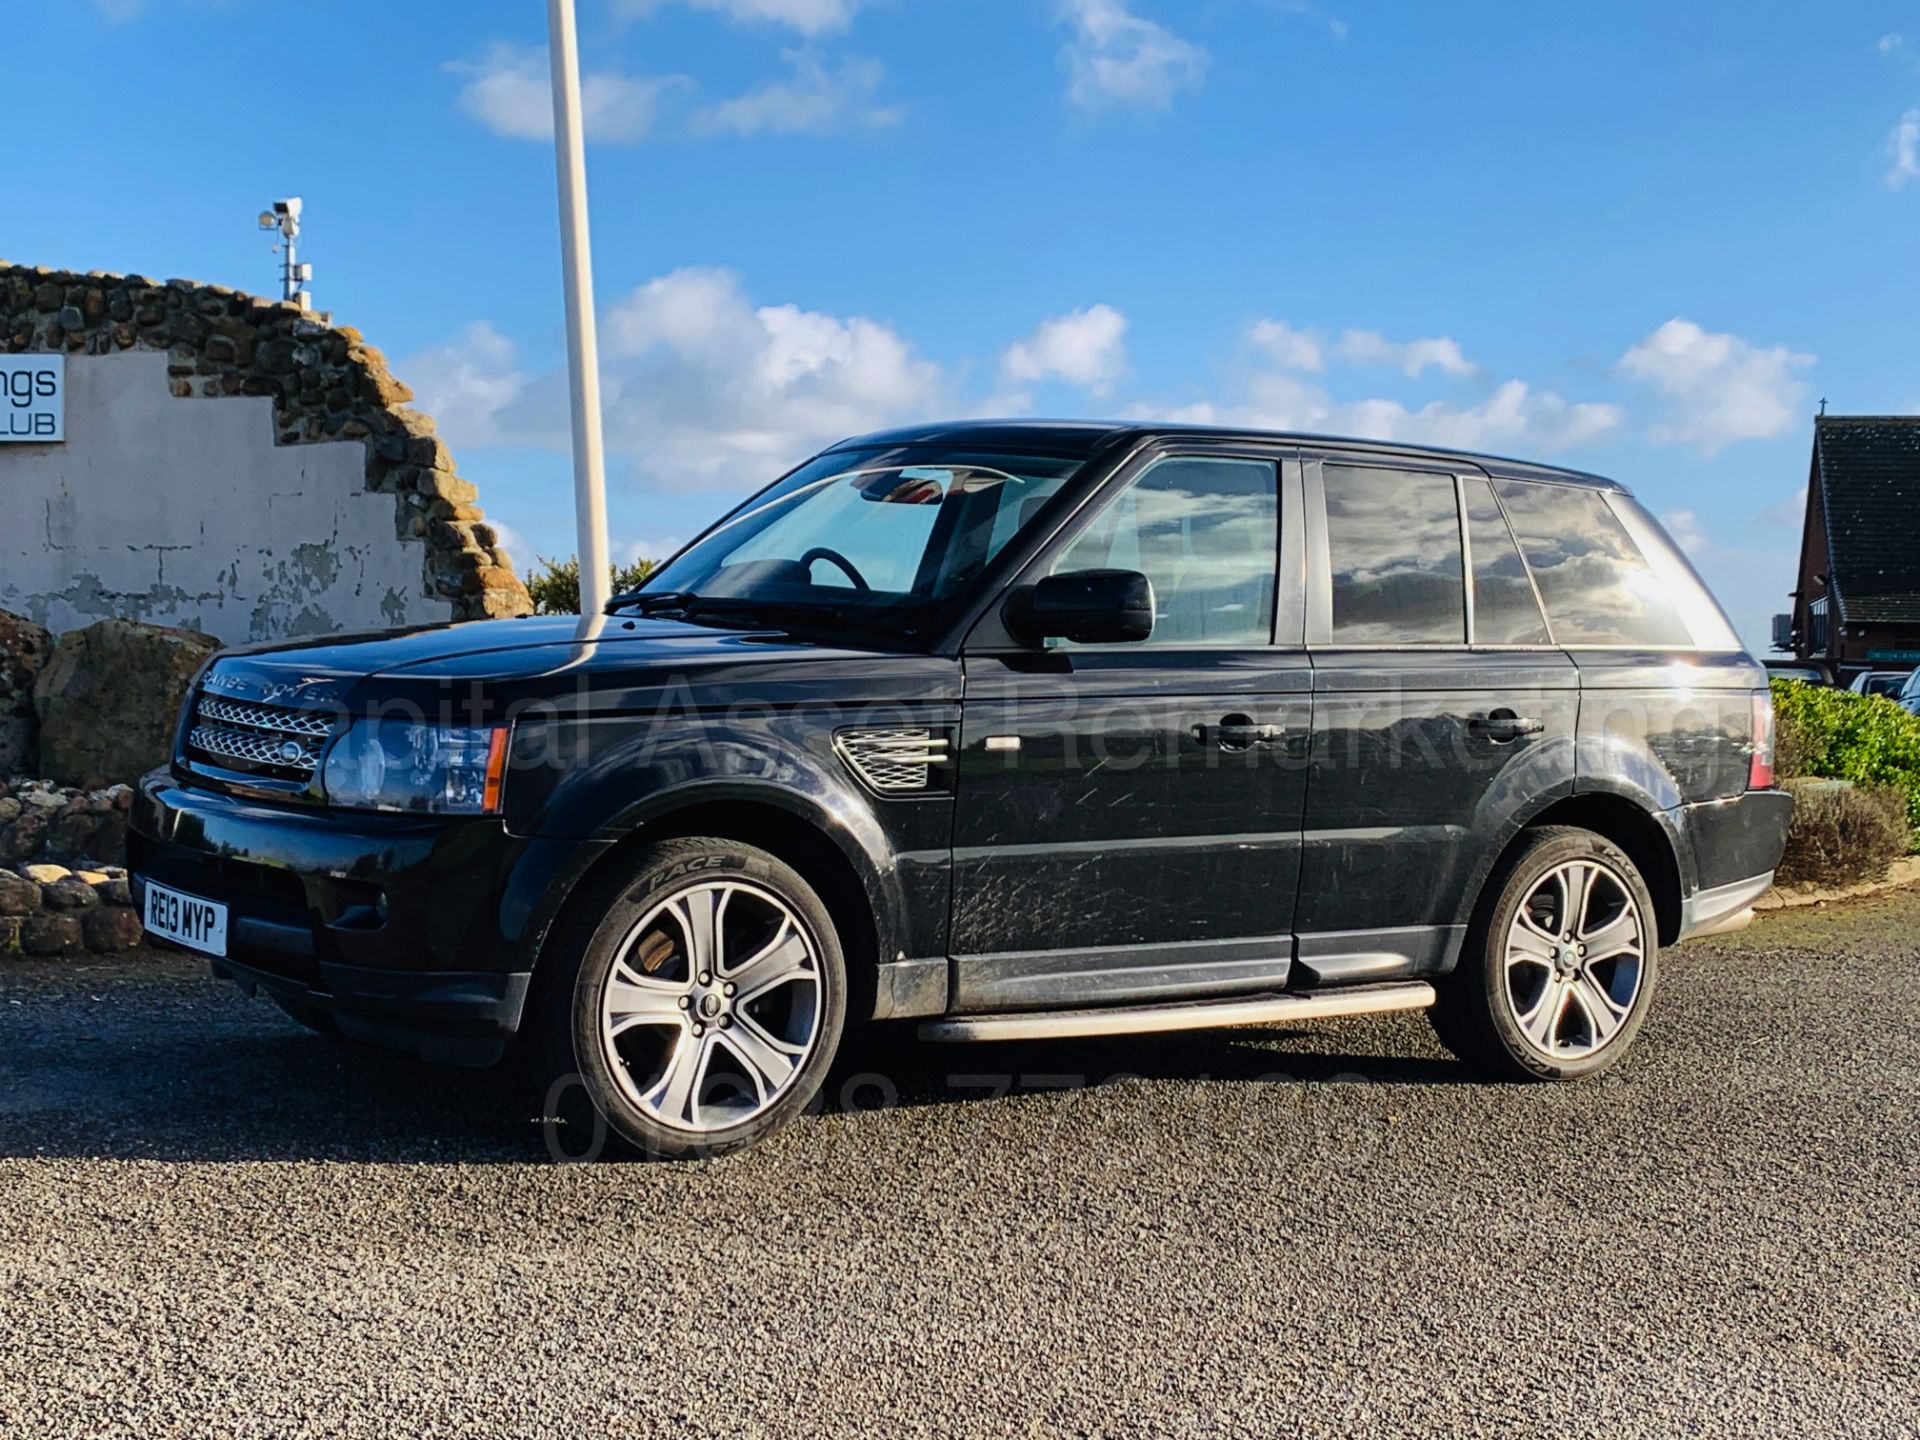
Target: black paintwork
x: 1175, y: 822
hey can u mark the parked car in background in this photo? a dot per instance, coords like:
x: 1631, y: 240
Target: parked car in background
x: 1807, y: 672
x: 1881, y: 682
x: 1909, y: 696
x: 1021, y: 731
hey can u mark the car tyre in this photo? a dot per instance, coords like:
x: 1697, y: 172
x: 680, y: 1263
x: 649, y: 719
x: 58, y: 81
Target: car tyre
x: 1559, y: 962
x: 687, y: 1006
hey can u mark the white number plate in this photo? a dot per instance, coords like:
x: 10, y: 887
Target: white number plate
x: 187, y: 919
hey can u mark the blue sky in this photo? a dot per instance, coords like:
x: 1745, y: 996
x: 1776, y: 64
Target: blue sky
x: 1644, y: 238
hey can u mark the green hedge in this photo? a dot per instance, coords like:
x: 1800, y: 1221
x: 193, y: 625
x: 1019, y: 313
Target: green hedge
x: 1837, y: 735
x: 555, y: 585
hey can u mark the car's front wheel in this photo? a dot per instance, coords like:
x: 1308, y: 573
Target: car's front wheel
x: 1558, y: 967
x: 695, y: 1000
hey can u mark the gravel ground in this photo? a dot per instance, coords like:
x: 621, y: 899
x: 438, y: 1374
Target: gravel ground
x: 212, y: 1224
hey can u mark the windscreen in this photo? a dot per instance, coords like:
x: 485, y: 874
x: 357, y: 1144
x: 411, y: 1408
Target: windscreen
x: 877, y: 537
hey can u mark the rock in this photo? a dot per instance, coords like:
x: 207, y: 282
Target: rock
x: 70, y: 831
x: 21, y: 840
x: 18, y: 895
x: 108, y: 699
x: 45, y: 874
x: 109, y: 842
x: 92, y: 877
x: 47, y: 800
x: 47, y: 935
x: 24, y: 649
x: 117, y: 891
x: 10, y: 934
x: 111, y: 928
x: 9, y: 809
x: 72, y: 893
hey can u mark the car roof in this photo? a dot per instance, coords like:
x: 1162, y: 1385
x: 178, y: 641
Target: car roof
x: 1093, y: 437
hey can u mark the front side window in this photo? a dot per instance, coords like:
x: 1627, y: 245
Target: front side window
x: 876, y: 537
x: 1393, y: 541
x: 1597, y: 587
x: 1205, y: 530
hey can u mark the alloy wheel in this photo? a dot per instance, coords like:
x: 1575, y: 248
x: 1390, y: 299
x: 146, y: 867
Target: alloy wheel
x: 1574, y: 959
x: 712, y: 1006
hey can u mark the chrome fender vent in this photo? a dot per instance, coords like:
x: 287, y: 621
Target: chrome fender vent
x: 900, y: 761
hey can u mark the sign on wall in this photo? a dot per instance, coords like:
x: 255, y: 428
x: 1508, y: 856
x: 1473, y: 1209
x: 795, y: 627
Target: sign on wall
x: 33, y: 398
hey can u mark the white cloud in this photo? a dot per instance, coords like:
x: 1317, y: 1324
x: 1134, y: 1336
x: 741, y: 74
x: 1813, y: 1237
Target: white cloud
x: 1515, y: 417
x: 1370, y: 347
x: 1903, y: 150
x: 1287, y: 347
x: 702, y: 388
x: 509, y: 90
x: 814, y: 101
x: 119, y: 12
x: 1720, y: 388
x: 1887, y: 44
x: 1791, y: 512
x: 1687, y: 532
x: 809, y: 17
x: 1086, y: 348
x: 470, y: 386
x: 1117, y: 58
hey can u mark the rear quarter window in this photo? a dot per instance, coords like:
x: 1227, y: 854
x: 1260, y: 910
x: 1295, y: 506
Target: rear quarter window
x: 1598, y: 588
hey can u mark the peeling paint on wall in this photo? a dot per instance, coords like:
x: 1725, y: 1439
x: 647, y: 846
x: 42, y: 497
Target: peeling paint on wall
x: 231, y: 466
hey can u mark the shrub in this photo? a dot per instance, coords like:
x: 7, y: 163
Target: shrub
x: 555, y: 586
x: 1843, y: 834
x: 1837, y: 735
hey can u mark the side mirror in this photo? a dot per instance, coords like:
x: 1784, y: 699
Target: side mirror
x: 1088, y: 607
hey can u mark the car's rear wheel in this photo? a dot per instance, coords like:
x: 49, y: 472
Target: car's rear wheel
x: 1559, y: 962
x: 696, y: 1004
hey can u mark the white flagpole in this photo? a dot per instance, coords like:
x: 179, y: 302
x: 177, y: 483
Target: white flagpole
x: 583, y: 345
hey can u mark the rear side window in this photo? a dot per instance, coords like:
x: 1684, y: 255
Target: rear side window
x: 1505, y: 611
x: 1598, y: 588
x: 1393, y: 542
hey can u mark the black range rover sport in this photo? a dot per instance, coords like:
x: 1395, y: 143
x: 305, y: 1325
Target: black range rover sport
x: 1017, y: 730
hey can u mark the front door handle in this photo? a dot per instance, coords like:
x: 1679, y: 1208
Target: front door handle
x: 1505, y: 725
x: 1237, y: 732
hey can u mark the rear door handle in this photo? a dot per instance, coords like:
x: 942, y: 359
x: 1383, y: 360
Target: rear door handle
x: 1505, y: 725
x: 1237, y: 732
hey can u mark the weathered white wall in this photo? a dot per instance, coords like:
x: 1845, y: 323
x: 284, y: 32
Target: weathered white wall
x: 185, y: 512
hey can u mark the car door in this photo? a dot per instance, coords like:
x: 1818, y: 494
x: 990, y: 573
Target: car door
x: 1442, y: 710
x: 1127, y: 820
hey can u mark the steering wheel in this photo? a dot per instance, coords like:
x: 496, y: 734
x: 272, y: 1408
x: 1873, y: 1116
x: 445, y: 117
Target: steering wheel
x: 835, y: 558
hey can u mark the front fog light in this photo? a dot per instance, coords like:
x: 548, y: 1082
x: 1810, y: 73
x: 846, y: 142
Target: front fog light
x: 436, y: 769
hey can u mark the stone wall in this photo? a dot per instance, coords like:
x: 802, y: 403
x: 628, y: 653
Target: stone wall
x: 232, y: 465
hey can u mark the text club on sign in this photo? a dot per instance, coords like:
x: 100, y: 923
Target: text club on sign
x: 33, y: 399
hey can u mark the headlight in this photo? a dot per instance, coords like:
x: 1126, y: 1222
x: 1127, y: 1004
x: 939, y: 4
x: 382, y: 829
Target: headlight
x: 397, y: 765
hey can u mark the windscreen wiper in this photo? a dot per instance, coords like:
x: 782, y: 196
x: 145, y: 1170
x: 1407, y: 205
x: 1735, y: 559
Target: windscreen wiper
x: 651, y: 602
x: 782, y: 615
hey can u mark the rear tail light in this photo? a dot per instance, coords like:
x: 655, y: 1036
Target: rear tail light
x: 1760, y: 766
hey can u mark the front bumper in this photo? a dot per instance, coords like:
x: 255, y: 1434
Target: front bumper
x: 410, y: 931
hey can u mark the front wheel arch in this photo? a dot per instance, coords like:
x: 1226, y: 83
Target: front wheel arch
x: 858, y: 911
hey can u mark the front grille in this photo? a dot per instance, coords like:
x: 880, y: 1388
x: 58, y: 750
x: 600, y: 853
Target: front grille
x: 268, y: 740
x: 893, y: 762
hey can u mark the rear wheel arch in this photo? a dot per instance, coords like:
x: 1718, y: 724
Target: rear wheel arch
x: 1631, y: 827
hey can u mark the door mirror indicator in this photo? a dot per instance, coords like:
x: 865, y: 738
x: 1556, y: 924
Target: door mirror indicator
x: 1086, y: 607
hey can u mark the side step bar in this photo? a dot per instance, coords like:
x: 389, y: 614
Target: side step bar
x: 1183, y: 1015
